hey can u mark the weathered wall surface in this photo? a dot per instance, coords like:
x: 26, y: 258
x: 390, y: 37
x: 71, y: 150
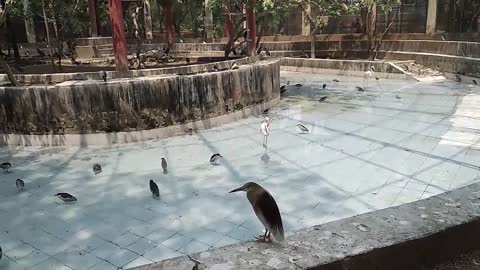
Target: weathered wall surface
x: 135, y: 104
x: 350, y: 65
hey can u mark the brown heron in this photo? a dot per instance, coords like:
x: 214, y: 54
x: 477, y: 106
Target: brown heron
x: 303, y: 128
x: 20, y: 184
x: 265, y: 209
x: 6, y: 166
x: 66, y: 197
x: 164, y: 166
x: 215, y: 158
x: 97, y: 168
x: 154, y: 189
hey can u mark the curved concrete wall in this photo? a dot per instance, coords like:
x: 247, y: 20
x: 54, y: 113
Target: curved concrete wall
x: 42, y: 79
x: 135, y: 104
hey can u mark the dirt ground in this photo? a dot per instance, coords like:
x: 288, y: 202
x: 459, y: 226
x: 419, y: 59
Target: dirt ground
x: 468, y: 261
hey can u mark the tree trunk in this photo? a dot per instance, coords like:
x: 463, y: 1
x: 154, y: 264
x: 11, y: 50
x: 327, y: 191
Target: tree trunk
x: 147, y: 14
x: 312, y: 42
x: 169, y: 22
x: 47, y: 30
x: 11, y: 35
x: 9, y: 72
x: 250, y: 12
x: 136, y: 15
x: 118, y: 35
x: 59, y: 40
x: 29, y: 24
x: 371, y: 28
x: 208, y: 21
x: 93, y: 18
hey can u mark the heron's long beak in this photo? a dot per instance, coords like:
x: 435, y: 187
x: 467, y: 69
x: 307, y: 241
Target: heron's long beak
x: 237, y: 189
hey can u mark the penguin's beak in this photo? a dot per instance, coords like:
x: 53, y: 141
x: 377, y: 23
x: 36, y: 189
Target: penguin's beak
x: 237, y: 189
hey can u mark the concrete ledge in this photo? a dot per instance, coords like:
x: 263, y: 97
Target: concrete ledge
x: 133, y: 136
x: 403, y: 237
x: 446, y: 63
x: 81, y: 76
x: 384, y: 70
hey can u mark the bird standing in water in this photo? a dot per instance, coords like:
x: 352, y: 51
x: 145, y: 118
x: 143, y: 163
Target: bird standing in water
x: 368, y: 74
x: 164, y: 166
x: 104, y: 75
x: 265, y: 209
x: 303, y: 128
x: 97, y: 168
x: 154, y: 189
x: 6, y: 166
x: 20, y: 184
x: 265, y: 130
x: 215, y: 158
x: 66, y: 197
x: 360, y: 89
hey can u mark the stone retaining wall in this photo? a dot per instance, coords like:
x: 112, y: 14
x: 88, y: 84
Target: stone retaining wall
x: 135, y: 104
x: 43, y: 79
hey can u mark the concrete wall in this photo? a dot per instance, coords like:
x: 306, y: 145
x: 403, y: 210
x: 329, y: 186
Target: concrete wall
x: 42, y: 79
x: 349, y: 65
x: 135, y: 104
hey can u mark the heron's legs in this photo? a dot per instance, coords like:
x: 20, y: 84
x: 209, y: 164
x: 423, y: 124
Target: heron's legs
x: 264, y: 237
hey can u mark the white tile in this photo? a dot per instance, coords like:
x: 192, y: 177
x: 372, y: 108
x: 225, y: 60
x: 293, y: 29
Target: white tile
x: 51, y: 264
x: 177, y: 241
x: 243, y: 234
x: 193, y: 247
x: 19, y: 252
x: 106, y: 250
x: 122, y: 257
x: 7, y: 263
x: 226, y: 241
x: 103, y: 265
x: 221, y: 226
x: 77, y: 259
x: 33, y: 258
x: 138, y: 262
x: 86, y: 240
x: 126, y: 239
x: 160, y: 253
x: 159, y: 235
x: 205, y: 236
x: 142, y: 245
